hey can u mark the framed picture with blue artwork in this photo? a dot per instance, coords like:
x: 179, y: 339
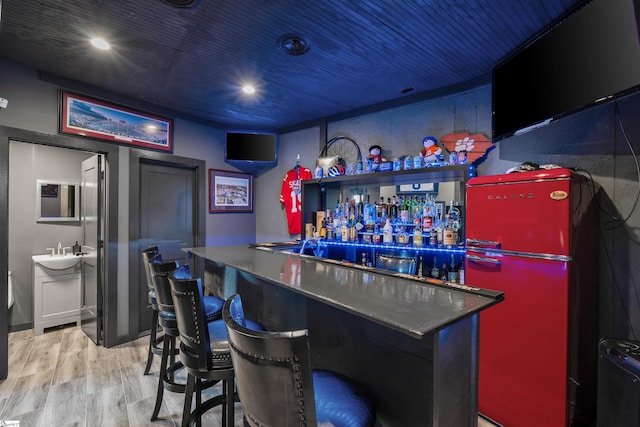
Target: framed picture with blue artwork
x: 92, y: 118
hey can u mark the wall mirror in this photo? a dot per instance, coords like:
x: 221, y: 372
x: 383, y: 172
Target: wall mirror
x: 57, y: 201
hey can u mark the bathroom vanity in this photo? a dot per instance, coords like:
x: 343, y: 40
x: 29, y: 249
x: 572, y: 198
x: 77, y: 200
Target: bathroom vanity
x: 57, y: 290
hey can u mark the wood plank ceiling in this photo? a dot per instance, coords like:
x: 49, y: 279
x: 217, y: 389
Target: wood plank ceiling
x: 192, y: 61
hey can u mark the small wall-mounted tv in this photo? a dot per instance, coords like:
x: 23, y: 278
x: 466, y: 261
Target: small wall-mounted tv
x: 589, y: 56
x: 251, y: 151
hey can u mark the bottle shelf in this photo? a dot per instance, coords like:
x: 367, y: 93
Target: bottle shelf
x: 418, y: 249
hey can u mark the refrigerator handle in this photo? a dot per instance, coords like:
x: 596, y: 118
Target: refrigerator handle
x: 477, y: 258
x: 478, y: 242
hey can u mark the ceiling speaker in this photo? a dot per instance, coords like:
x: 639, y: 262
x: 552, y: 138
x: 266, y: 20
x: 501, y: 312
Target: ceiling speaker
x: 185, y: 4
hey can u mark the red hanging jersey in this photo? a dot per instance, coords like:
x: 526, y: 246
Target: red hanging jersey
x: 291, y: 195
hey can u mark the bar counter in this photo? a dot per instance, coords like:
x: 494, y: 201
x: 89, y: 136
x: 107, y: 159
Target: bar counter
x: 413, y: 343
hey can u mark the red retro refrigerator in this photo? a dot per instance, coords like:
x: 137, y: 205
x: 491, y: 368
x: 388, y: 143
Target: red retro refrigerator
x: 533, y: 235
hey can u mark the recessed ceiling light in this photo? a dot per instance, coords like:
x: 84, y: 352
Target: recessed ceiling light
x: 100, y: 43
x: 248, y: 89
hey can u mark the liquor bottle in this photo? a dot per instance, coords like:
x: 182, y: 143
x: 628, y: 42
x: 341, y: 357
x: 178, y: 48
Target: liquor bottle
x: 366, y: 210
x: 369, y: 228
x: 346, y: 208
x: 444, y: 272
x: 416, y: 213
x: 404, y: 210
x: 383, y: 208
x: 323, y: 229
x: 402, y: 237
x: 427, y: 218
x: 372, y: 210
x: 435, y: 272
x: 387, y: 233
x: 461, y: 271
x: 452, y: 275
x: 382, y: 218
x: 433, y: 236
x: 330, y: 230
x: 353, y: 231
x: 393, y: 209
x: 360, y: 207
x: 449, y: 235
x: 344, y: 231
x: 338, y: 211
x: 417, y: 237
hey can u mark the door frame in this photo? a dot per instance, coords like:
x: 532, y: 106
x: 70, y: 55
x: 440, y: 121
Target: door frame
x: 110, y: 151
x: 136, y: 157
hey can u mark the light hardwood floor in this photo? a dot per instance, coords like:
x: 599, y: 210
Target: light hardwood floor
x: 61, y: 378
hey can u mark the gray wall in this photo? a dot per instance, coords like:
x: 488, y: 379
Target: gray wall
x: 26, y: 236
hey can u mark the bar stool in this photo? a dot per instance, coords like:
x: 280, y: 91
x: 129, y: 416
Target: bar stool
x: 154, y: 339
x: 277, y: 386
x: 212, y: 307
x: 204, y: 349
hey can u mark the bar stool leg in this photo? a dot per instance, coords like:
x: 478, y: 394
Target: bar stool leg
x: 188, y: 395
x: 228, y: 410
x: 163, y: 371
x: 153, y: 341
x: 199, y: 401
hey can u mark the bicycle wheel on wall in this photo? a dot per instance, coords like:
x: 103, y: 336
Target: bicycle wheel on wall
x: 345, y: 148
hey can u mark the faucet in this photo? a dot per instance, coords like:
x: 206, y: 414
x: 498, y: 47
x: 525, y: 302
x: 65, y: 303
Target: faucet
x: 59, y: 247
x: 317, y: 251
x: 304, y: 245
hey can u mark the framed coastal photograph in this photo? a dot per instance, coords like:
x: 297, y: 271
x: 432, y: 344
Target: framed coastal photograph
x: 92, y: 118
x: 230, y: 191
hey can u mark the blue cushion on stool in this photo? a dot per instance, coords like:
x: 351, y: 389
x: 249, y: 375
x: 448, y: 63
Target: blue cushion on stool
x: 340, y: 401
x: 212, y: 307
x: 167, y: 314
x: 218, y: 330
x: 153, y: 300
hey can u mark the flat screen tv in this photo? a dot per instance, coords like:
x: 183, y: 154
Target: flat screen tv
x: 589, y: 56
x: 251, y: 151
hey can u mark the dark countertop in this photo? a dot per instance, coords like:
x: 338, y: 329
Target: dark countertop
x: 413, y: 307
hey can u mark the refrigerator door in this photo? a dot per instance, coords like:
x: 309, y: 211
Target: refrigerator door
x: 522, y: 379
x: 521, y: 212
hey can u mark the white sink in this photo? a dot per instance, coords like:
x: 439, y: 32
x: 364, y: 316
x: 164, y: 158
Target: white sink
x: 57, y: 262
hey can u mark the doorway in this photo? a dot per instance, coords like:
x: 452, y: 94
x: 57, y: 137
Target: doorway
x: 167, y: 219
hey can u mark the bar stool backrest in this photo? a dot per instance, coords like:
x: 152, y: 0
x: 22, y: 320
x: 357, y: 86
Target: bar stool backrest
x: 189, y: 308
x: 159, y: 277
x: 148, y: 254
x: 273, y: 373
